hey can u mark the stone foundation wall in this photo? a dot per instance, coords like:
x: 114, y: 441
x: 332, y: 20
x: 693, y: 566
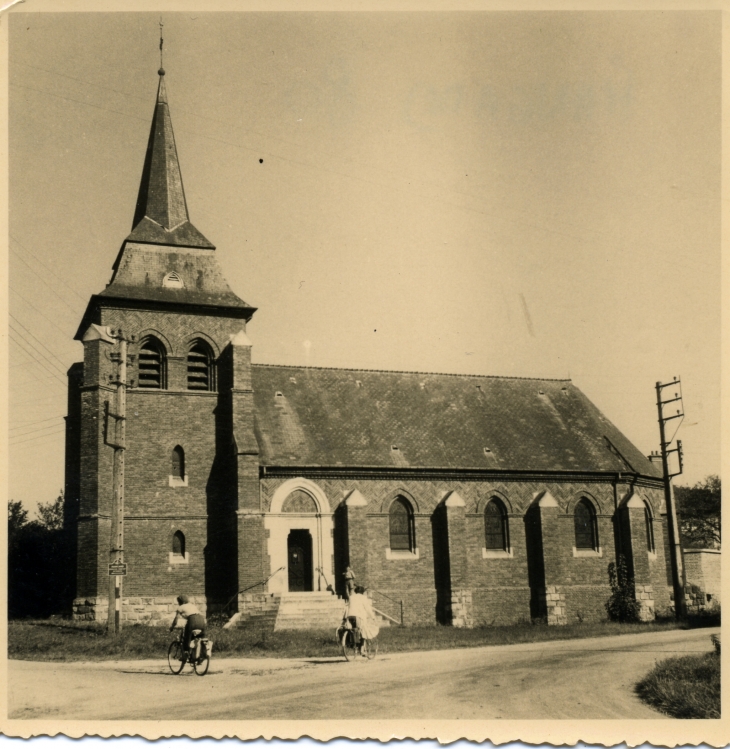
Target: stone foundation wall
x: 151, y: 610
x: 554, y: 599
x: 461, y: 608
x: 645, y: 599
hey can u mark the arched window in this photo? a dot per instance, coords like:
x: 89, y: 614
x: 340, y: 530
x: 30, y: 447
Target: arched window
x: 178, y: 544
x: 201, y: 370
x: 402, y: 530
x: 151, y: 372
x: 178, y: 463
x: 495, y: 526
x: 586, y: 531
x: 649, y: 529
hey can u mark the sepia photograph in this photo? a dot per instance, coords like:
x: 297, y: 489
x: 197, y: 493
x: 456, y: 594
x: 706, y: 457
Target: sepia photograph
x: 364, y: 373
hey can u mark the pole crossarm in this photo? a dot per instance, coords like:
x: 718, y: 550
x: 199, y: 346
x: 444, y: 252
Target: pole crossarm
x: 676, y: 559
x: 116, y: 541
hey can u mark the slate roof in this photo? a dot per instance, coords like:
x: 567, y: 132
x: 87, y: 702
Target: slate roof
x: 141, y: 269
x: 164, y: 241
x: 361, y: 418
x: 161, y: 215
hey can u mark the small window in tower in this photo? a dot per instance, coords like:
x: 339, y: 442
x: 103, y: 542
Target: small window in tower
x: 178, y: 475
x: 178, y: 463
x: 201, y: 369
x: 172, y: 281
x: 178, y: 554
x: 151, y: 370
x: 178, y: 544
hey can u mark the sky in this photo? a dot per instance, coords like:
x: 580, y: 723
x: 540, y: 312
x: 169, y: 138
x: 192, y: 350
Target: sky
x: 528, y: 194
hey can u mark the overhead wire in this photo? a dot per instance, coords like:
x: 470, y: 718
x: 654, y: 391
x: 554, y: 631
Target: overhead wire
x: 32, y: 439
x: 21, y: 342
x: 61, y: 366
x: 33, y: 423
x: 45, y: 265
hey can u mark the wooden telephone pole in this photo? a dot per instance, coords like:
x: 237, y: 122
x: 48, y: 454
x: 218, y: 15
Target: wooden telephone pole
x: 675, y: 546
x: 117, y: 565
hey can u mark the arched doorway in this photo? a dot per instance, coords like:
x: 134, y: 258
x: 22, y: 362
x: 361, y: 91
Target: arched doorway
x: 299, y: 558
x: 299, y: 541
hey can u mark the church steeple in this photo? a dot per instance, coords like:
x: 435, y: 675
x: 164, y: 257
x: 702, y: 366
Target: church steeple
x: 161, y: 216
x: 165, y: 263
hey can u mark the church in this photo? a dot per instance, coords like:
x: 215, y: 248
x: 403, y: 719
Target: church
x: 456, y: 499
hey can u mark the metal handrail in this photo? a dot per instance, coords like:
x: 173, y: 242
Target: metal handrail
x: 385, y: 595
x: 394, y: 600
x: 243, y: 590
x: 387, y: 616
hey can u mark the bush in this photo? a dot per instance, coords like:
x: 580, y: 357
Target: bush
x: 622, y: 605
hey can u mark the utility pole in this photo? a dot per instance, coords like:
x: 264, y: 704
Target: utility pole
x: 117, y: 566
x: 675, y: 547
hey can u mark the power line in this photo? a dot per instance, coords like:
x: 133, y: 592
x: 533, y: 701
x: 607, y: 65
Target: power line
x: 20, y: 342
x: 42, y: 314
x: 63, y: 368
x: 47, y: 267
x: 38, y: 430
x: 41, y: 437
x: 22, y: 260
x: 33, y: 423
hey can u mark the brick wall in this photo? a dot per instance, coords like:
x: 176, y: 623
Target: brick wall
x: 202, y: 506
x: 540, y: 568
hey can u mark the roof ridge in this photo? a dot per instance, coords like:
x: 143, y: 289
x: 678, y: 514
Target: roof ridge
x: 416, y: 372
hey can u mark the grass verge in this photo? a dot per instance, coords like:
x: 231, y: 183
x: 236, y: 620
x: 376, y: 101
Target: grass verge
x: 685, y: 687
x: 63, y: 640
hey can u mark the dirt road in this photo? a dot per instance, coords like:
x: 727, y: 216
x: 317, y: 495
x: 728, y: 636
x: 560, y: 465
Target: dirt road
x: 571, y: 679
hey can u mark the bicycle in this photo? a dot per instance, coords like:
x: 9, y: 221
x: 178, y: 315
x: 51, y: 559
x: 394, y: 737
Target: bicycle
x: 200, y: 648
x: 347, y: 638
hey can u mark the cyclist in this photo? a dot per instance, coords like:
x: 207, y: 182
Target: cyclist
x: 359, y: 612
x: 194, y: 620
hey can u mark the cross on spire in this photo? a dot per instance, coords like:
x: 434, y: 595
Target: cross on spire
x: 161, y: 71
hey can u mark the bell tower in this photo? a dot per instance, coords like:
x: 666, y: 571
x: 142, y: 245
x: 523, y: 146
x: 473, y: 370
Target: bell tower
x: 188, y: 419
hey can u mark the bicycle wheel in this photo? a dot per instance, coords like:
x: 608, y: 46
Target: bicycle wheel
x: 175, y: 657
x: 201, y: 665
x: 348, y: 645
x: 372, y: 649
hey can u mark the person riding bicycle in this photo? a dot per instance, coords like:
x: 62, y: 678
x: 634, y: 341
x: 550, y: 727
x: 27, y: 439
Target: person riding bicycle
x: 194, y: 620
x: 359, y: 612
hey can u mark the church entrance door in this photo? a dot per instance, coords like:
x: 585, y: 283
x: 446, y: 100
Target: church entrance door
x: 299, y: 552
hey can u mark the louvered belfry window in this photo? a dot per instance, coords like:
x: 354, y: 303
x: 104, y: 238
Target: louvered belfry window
x: 200, y: 367
x: 402, y: 536
x: 151, y: 371
x: 495, y: 526
x: 586, y: 532
x: 178, y: 463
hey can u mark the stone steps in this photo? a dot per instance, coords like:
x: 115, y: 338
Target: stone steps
x: 288, y: 611
x: 309, y: 611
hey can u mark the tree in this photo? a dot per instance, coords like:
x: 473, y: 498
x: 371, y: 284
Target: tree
x: 698, y: 509
x: 40, y: 561
x: 17, y: 518
x: 51, y: 514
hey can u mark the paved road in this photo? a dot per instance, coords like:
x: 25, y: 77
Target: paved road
x: 571, y: 679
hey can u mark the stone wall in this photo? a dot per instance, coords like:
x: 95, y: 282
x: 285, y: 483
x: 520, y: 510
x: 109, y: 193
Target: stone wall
x: 702, y: 569
x: 151, y: 610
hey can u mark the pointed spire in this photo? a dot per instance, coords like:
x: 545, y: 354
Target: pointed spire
x: 161, y: 216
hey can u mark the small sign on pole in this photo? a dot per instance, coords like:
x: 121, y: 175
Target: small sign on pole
x: 117, y: 568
